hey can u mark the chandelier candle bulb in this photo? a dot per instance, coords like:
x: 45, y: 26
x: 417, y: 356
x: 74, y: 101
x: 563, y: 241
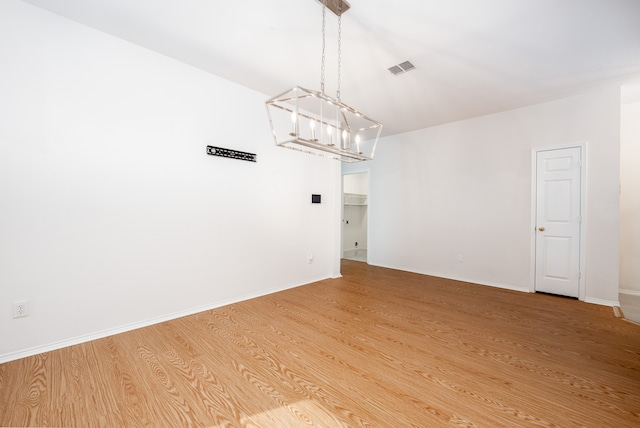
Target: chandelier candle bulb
x: 294, y: 120
x: 312, y: 125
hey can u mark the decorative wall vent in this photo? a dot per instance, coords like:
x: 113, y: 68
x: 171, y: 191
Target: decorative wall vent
x: 230, y: 153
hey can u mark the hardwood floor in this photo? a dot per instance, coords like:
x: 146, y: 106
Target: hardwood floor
x: 376, y: 348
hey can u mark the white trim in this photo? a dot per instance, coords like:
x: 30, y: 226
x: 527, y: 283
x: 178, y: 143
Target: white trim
x: 602, y: 302
x: 453, y: 278
x: 582, y: 287
x: 532, y: 228
x: 29, y: 352
x: 583, y: 224
x: 592, y: 300
x: 337, y: 222
x: 629, y: 292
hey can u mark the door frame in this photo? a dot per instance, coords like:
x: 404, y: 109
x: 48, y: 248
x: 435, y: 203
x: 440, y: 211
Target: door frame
x: 582, y: 292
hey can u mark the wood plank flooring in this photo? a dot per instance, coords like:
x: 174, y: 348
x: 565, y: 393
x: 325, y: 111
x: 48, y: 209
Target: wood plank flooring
x: 376, y: 348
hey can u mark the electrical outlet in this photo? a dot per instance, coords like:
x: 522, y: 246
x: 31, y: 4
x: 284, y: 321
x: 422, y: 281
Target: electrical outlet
x: 21, y: 309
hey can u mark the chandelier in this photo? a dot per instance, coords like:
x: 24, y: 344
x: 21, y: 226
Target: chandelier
x: 313, y: 122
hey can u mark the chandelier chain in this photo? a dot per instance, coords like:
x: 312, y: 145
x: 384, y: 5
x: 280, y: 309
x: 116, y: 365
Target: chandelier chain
x: 324, y: 36
x: 339, y: 50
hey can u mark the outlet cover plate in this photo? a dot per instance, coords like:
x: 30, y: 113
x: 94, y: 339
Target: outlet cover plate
x: 20, y: 309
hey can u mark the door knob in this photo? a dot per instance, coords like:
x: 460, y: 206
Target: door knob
x: 541, y: 228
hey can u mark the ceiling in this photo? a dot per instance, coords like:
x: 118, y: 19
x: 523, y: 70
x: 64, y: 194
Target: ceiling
x: 472, y: 57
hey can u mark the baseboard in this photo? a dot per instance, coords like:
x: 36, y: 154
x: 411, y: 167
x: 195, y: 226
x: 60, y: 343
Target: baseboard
x: 460, y: 279
x: 12, y: 356
x: 602, y: 302
x: 629, y: 292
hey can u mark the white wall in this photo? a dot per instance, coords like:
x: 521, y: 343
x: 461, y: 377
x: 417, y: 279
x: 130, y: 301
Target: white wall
x: 464, y: 189
x: 630, y: 199
x: 111, y: 214
x: 356, y: 183
x: 355, y: 227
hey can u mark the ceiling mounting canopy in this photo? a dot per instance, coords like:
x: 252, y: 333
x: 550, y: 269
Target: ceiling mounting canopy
x: 336, y: 6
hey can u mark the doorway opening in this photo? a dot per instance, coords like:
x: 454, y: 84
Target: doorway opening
x: 355, y: 200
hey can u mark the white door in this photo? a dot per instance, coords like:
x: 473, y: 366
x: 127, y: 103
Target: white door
x: 558, y: 217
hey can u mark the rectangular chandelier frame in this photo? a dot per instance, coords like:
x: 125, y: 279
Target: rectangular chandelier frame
x: 312, y: 122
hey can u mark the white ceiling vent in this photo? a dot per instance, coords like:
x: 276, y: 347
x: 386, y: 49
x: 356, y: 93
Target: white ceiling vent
x: 401, y: 68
